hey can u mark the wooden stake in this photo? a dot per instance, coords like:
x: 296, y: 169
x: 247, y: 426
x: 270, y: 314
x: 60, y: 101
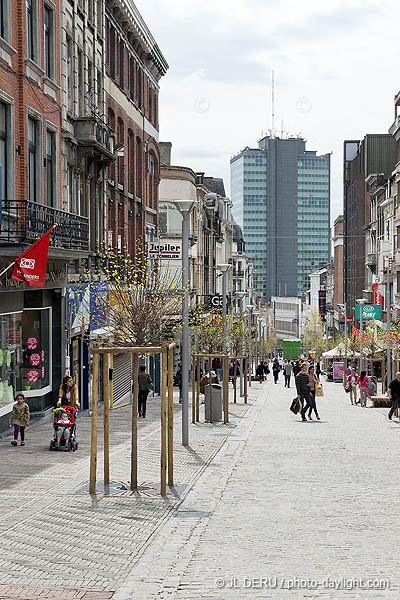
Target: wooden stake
x: 211, y: 390
x: 193, y: 390
x: 245, y: 380
x: 134, y: 443
x: 106, y: 420
x: 226, y: 390
x: 93, y: 444
x: 171, y: 416
x: 198, y: 392
x: 164, y: 423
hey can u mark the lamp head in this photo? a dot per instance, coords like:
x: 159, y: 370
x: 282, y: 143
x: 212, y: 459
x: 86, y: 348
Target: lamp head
x: 184, y: 206
x: 223, y: 267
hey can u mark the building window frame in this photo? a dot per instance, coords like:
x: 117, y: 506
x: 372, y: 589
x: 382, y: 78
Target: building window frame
x: 49, y: 49
x: 34, y: 156
x: 51, y: 170
x: 5, y: 20
x: 8, y: 184
x: 32, y: 50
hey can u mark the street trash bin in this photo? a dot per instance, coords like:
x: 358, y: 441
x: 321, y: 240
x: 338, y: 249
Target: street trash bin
x: 216, y: 402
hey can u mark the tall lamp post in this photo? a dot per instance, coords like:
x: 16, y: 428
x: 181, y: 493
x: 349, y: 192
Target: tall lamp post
x: 240, y: 295
x: 185, y: 207
x: 250, y: 308
x: 343, y: 310
x: 224, y: 268
x: 361, y: 302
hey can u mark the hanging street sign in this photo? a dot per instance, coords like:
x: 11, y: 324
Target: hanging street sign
x: 370, y: 311
x: 165, y: 250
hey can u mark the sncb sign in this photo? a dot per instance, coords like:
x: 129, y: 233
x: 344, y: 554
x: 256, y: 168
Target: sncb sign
x: 370, y: 311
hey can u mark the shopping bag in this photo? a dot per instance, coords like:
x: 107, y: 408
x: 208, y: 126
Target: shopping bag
x: 295, y: 406
x: 319, y: 392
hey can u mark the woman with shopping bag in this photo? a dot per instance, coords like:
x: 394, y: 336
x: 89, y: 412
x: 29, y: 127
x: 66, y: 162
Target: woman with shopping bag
x: 312, y: 384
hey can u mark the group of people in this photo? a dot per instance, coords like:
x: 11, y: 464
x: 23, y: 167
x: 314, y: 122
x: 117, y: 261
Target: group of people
x: 366, y: 386
x: 290, y: 368
x: 306, y: 380
x: 20, y: 415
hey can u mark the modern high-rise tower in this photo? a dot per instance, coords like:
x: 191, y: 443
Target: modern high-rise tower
x: 281, y: 199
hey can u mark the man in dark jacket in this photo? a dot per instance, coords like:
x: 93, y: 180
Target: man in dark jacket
x: 303, y: 391
x: 145, y: 385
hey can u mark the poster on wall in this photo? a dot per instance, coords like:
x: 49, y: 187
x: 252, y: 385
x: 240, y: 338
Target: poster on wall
x: 338, y: 371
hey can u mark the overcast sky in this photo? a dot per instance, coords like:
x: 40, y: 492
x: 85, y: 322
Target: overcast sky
x: 336, y: 69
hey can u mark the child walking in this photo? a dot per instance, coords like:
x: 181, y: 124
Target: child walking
x: 19, y: 417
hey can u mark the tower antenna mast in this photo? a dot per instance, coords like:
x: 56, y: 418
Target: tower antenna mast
x: 273, y: 103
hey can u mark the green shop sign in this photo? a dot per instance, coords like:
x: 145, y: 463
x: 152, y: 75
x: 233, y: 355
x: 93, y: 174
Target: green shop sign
x: 370, y: 311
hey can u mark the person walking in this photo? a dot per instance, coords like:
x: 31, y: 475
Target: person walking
x: 19, y: 417
x: 352, y: 385
x: 178, y: 382
x: 303, y: 391
x: 266, y: 370
x: 372, y: 387
x: 394, y: 394
x: 145, y: 385
x: 275, y: 370
x: 287, y: 371
x: 68, y: 393
x: 318, y: 369
x: 260, y: 372
x: 296, y: 368
x: 363, y: 384
x: 312, y: 379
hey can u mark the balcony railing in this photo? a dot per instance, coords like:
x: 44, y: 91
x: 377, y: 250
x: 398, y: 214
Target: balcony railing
x: 24, y: 222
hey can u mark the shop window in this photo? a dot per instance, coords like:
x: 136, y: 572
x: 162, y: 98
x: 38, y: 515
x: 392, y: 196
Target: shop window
x: 10, y: 356
x: 34, y: 368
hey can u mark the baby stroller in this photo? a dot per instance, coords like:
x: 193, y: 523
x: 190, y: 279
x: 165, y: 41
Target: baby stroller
x: 71, y: 443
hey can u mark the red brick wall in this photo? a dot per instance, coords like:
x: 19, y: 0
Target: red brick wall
x: 26, y: 92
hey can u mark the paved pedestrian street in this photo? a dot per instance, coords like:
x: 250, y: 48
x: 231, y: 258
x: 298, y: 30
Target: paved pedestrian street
x: 271, y: 508
x: 285, y: 504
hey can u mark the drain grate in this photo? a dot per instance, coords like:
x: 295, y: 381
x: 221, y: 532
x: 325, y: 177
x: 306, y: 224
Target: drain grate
x: 192, y: 514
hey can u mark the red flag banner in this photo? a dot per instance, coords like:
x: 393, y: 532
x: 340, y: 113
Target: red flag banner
x: 30, y: 267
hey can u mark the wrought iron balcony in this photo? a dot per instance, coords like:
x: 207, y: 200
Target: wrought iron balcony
x: 24, y: 222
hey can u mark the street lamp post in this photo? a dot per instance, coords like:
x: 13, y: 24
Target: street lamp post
x: 185, y: 207
x: 343, y: 309
x: 250, y: 309
x: 361, y: 302
x: 224, y: 268
x: 240, y: 295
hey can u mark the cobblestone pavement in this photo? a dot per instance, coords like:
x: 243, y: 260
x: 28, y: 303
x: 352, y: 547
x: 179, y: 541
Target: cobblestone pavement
x: 286, y: 510
x: 57, y: 541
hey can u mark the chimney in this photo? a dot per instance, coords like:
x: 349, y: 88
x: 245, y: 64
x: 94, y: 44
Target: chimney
x: 165, y: 153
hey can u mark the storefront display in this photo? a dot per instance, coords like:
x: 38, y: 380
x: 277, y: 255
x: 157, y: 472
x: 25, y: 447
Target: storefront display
x: 35, y: 348
x: 24, y: 352
x: 9, y: 366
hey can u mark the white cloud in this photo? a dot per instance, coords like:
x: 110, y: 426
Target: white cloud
x: 336, y: 69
